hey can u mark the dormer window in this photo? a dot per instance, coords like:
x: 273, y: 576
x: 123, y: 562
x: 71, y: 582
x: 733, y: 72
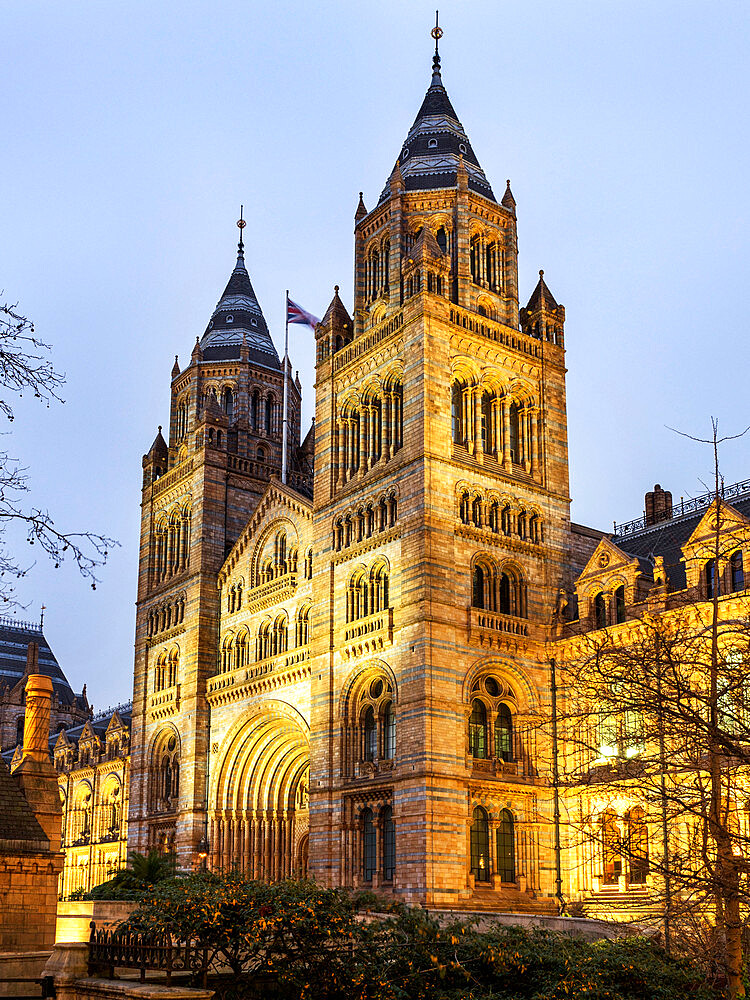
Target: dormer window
x: 461, y: 148
x: 432, y: 144
x: 253, y: 322
x: 230, y: 318
x: 404, y: 153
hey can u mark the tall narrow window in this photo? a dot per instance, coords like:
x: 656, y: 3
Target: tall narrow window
x: 737, y: 572
x: 506, y: 604
x: 710, y: 579
x: 370, y: 734
x: 456, y: 412
x: 269, y: 414
x: 389, y: 845
x: 478, y: 730
x: 515, y: 436
x: 506, y: 847
x: 600, y: 611
x: 368, y: 846
x: 611, y: 848
x: 389, y: 732
x: 477, y: 597
x: 504, y: 734
x: 638, y: 846
x: 480, y: 846
x: 620, y: 605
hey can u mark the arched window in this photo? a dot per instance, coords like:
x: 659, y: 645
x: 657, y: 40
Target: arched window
x: 369, y: 735
x: 710, y: 575
x: 475, y: 251
x: 303, y: 625
x: 464, y: 507
x: 494, y: 516
x: 737, y: 572
x: 368, y: 846
x: 379, y: 599
x: 478, y: 730
x: 515, y: 435
x: 505, y: 602
x: 442, y: 239
x: 228, y: 403
x: 389, y: 844
x: 480, y: 846
x: 280, y: 635
x: 486, y: 422
x: 457, y: 403
x: 600, y: 611
x: 638, y: 846
x: 611, y: 847
x: 19, y: 730
x: 264, y: 640
x: 268, y: 415
x: 389, y: 731
x: 504, y: 734
x: 620, y: 605
x: 478, y: 587
x: 255, y: 412
x: 506, y: 847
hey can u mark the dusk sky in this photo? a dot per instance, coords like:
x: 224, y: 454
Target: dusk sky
x: 133, y: 131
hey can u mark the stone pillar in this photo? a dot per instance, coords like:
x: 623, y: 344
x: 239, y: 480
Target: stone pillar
x: 506, y: 432
x: 35, y: 773
x: 388, y: 426
x: 534, y: 420
x: 479, y: 444
x: 468, y: 395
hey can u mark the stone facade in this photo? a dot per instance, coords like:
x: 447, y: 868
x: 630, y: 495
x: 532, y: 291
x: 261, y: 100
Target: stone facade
x: 93, y: 776
x: 346, y: 669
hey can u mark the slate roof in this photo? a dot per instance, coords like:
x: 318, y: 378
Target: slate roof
x: 17, y: 820
x: 237, y: 318
x: 14, y: 640
x: 436, y: 140
x: 541, y: 296
x: 666, y: 539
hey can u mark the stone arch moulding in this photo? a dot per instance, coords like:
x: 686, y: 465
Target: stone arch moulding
x: 517, y: 677
x: 359, y: 677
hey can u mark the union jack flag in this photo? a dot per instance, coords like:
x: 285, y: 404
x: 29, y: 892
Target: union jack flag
x: 296, y: 314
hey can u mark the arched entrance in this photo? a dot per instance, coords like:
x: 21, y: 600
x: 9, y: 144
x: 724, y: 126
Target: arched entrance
x: 259, y: 820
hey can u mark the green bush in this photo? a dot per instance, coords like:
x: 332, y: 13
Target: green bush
x: 144, y: 872
x: 296, y: 940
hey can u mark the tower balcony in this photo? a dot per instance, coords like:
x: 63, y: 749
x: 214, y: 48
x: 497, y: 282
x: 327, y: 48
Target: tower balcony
x: 493, y: 629
x: 164, y: 703
x: 172, y: 478
x: 367, y: 635
x: 272, y: 592
x: 249, y: 680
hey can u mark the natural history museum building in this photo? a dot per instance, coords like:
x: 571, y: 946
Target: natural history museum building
x: 343, y: 674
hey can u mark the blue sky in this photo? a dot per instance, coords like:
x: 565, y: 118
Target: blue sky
x: 134, y: 130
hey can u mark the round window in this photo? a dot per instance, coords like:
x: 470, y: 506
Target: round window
x: 492, y: 687
x: 404, y: 153
x: 461, y: 148
x: 172, y: 743
x: 376, y: 688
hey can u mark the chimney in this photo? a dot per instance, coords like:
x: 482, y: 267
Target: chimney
x: 35, y: 774
x: 658, y: 505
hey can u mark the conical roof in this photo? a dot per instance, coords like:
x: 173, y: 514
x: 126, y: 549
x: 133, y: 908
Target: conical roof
x: 541, y: 297
x: 429, y: 158
x: 237, y: 313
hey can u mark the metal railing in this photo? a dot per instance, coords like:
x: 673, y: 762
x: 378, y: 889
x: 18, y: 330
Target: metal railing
x: 125, y: 949
x: 684, y: 508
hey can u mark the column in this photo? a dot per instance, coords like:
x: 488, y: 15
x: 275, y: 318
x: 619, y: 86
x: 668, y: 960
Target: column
x: 534, y: 441
x: 257, y: 845
x: 479, y: 444
x: 372, y: 417
x: 362, y: 440
x: 268, y: 847
x: 352, y: 428
x: 496, y: 427
x: 506, y: 432
x: 388, y: 436
x: 341, y: 476
x: 525, y: 426
x: 468, y: 395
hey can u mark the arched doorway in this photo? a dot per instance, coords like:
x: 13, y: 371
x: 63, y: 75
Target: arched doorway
x: 259, y: 820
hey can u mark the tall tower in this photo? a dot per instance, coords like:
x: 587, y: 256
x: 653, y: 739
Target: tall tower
x: 441, y: 515
x: 224, y: 444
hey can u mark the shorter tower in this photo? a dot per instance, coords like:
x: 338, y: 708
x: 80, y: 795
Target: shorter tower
x: 199, y: 488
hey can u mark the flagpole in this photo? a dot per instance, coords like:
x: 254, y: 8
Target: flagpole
x: 284, y: 431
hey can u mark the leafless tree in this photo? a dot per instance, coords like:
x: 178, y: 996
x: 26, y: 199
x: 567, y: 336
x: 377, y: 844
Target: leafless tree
x: 26, y: 368
x: 655, y: 719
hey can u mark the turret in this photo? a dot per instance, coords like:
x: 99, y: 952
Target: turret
x: 543, y: 318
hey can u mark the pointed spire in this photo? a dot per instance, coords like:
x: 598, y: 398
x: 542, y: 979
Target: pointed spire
x: 159, y: 447
x: 508, y: 200
x: 361, y: 210
x: 197, y: 354
x: 238, y: 315
x: 175, y: 367
x: 429, y: 158
x: 541, y: 298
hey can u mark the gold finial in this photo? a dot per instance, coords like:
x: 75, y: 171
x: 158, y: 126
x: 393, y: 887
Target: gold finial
x: 437, y: 31
x: 241, y: 225
x: 437, y: 34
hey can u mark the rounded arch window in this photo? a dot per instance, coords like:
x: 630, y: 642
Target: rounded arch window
x: 506, y: 847
x: 480, y: 845
x: 376, y: 688
x: 432, y: 144
x: 478, y: 729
